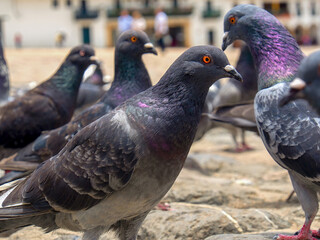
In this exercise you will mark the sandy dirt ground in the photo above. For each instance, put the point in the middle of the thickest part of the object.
(28, 65)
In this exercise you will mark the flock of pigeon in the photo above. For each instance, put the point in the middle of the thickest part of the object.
(113, 162)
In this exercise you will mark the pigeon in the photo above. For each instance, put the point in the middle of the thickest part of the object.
(131, 77)
(92, 87)
(306, 84)
(290, 133)
(234, 93)
(239, 115)
(115, 170)
(205, 123)
(47, 106)
(4, 78)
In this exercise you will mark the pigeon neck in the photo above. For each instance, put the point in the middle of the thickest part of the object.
(131, 76)
(68, 77)
(276, 53)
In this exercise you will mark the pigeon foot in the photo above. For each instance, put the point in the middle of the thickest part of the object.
(301, 235)
(164, 206)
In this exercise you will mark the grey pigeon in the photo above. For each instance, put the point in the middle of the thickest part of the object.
(4, 77)
(47, 106)
(115, 170)
(131, 77)
(290, 133)
(307, 83)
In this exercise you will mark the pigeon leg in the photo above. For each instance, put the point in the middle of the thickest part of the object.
(128, 229)
(245, 146)
(309, 202)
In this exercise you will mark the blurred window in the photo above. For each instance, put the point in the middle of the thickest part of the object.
(55, 3)
(69, 3)
(313, 8)
(298, 6)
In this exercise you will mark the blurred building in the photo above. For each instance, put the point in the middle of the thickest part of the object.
(49, 23)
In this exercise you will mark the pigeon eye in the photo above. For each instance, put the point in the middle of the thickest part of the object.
(133, 39)
(232, 20)
(82, 53)
(206, 59)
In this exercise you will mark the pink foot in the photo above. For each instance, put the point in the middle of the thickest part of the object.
(315, 233)
(301, 235)
(246, 147)
(164, 206)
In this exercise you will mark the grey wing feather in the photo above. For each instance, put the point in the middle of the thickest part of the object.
(96, 162)
(291, 133)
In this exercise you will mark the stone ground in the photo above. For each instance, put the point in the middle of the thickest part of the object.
(219, 195)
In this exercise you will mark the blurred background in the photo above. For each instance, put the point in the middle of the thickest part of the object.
(66, 23)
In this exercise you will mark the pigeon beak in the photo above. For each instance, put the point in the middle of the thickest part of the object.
(94, 59)
(149, 48)
(226, 41)
(233, 73)
(295, 92)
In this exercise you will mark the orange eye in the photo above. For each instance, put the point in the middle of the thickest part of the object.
(133, 39)
(206, 59)
(232, 20)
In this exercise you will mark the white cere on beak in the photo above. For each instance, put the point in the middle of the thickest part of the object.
(148, 45)
(229, 68)
(298, 84)
(225, 35)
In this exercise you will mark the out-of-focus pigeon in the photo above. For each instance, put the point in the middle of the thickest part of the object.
(233, 93)
(92, 87)
(131, 77)
(307, 83)
(290, 133)
(47, 106)
(239, 115)
(115, 170)
(229, 94)
(205, 123)
(4, 77)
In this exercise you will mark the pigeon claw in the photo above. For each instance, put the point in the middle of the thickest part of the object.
(301, 236)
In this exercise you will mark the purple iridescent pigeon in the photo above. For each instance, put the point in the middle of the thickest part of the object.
(131, 77)
(116, 169)
(290, 133)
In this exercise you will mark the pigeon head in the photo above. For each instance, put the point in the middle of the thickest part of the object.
(276, 53)
(199, 67)
(82, 56)
(206, 63)
(134, 43)
(307, 83)
(237, 22)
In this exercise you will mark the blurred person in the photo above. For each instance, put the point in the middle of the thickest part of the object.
(161, 27)
(18, 40)
(60, 38)
(138, 22)
(124, 21)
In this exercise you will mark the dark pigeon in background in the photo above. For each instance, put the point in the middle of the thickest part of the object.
(307, 83)
(115, 170)
(205, 123)
(47, 106)
(92, 87)
(240, 115)
(290, 133)
(131, 77)
(4, 78)
(229, 94)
